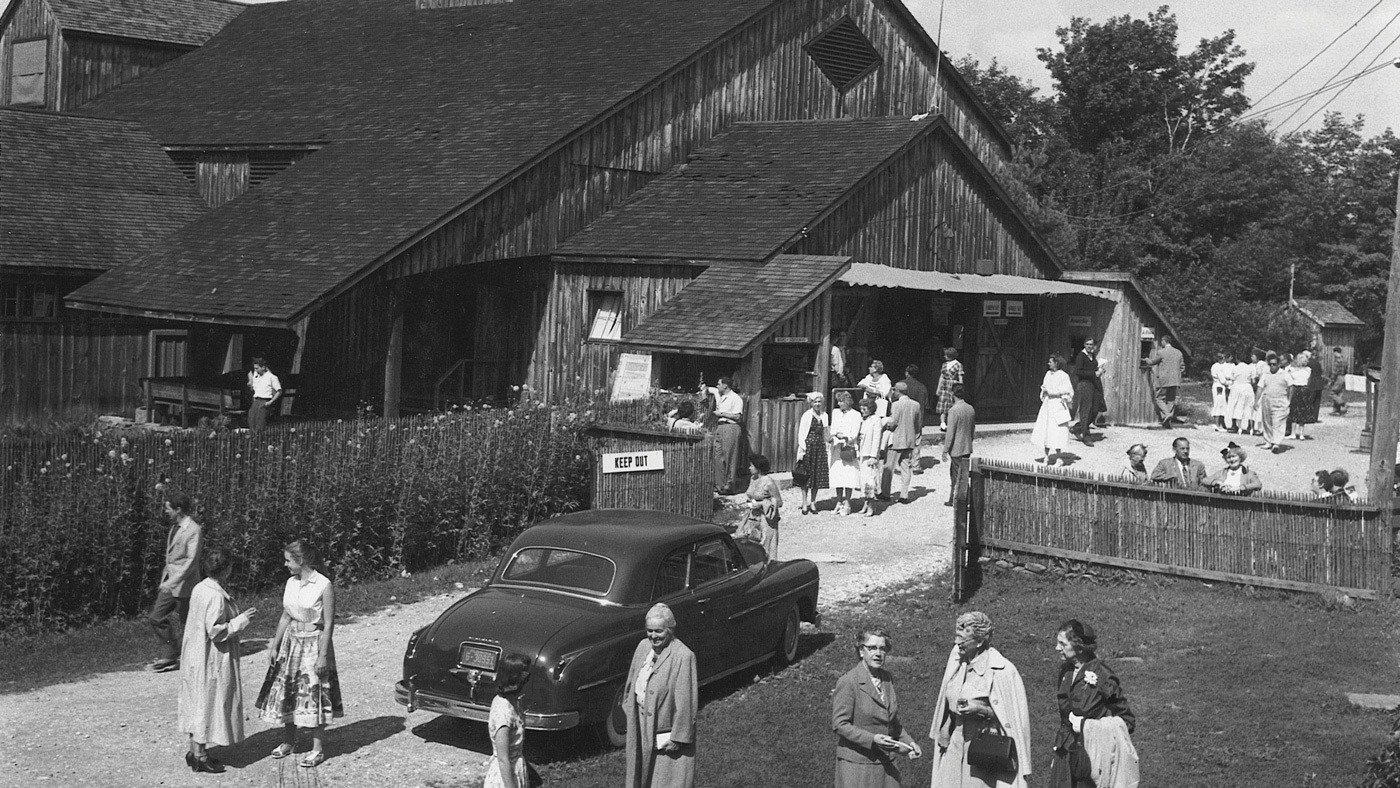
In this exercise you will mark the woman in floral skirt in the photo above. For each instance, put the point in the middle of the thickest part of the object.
(302, 689)
(950, 375)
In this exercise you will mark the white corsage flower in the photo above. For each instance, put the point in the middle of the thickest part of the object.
(1091, 678)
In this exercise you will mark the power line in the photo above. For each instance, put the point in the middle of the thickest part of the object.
(1343, 89)
(1320, 52)
(1345, 65)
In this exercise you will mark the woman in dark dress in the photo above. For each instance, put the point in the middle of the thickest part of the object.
(1092, 746)
(813, 435)
(1306, 396)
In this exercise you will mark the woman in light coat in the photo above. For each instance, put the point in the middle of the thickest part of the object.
(211, 695)
(981, 690)
(1051, 431)
(660, 699)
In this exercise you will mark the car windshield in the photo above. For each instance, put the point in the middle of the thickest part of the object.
(560, 568)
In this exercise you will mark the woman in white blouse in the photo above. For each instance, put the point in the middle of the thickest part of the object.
(1051, 432)
(302, 689)
(877, 385)
(845, 455)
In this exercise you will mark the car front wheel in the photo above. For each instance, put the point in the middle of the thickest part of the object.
(612, 731)
(788, 640)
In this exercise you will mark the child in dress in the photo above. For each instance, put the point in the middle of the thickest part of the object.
(506, 724)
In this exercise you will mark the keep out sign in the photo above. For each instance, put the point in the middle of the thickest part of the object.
(633, 461)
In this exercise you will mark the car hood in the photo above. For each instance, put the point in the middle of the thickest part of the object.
(520, 621)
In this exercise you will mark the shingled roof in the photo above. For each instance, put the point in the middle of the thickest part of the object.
(189, 22)
(1327, 313)
(749, 192)
(421, 112)
(728, 309)
(84, 193)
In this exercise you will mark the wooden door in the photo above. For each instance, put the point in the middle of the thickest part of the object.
(1004, 368)
(169, 350)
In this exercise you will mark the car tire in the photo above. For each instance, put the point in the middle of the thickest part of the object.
(612, 731)
(789, 637)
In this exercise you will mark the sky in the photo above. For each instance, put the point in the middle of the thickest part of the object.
(1277, 35)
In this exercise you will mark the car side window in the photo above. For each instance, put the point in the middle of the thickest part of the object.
(714, 559)
(671, 575)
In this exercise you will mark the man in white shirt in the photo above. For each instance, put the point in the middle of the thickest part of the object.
(267, 389)
(729, 436)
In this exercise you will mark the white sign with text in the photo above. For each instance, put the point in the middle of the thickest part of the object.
(633, 461)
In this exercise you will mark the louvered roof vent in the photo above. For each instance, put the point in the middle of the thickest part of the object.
(844, 54)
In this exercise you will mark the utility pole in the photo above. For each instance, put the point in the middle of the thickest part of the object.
(1381, 479)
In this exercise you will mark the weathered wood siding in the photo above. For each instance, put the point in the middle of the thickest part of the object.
(1343, 337)
(79, 364)
(805, 325)
(564, 363)
(926, 211)
(343, 360)
(760, 72)
(32, 19)
(92, 66)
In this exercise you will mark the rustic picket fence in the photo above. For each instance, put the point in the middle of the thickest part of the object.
(1276, 540)
(82, 536)
(683, 483)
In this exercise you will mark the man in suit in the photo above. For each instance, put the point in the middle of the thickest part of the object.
(957, 443)
(1088, 389)
(906, 422)
(1166, 364)
(1179, 470)
(182, 554)
(917, 390)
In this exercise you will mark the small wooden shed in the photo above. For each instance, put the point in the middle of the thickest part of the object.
(1333, 326)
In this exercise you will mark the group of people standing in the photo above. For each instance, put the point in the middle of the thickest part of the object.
(201, 629)
(862, 447)
(1273, 395)
(981, 725)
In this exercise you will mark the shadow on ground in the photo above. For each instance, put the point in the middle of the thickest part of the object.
(340, 740)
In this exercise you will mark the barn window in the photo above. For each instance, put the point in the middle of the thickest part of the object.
(29, 299)
(605, 307)
(844, 54)
(28, 63)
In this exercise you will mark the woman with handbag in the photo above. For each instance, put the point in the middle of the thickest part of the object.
(845, 461)
(1093, 748)
(812, 430)
(302, 689)
(764, 500)
(865, 717)
(981, 722)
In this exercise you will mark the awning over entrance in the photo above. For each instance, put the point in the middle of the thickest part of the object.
(729, 309)
(873, 275)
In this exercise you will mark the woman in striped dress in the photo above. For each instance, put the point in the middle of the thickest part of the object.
(949, 376)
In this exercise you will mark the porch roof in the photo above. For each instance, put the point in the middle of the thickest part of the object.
(874, 275)
(729, 309)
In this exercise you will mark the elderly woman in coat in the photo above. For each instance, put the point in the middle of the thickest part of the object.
(211, 696)
(865, 717)
(660, 699)
(981, 691)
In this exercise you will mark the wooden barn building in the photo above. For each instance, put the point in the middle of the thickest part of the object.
(1333, 326)
(716, 188)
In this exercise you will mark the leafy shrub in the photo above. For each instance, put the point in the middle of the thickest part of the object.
(82, 536)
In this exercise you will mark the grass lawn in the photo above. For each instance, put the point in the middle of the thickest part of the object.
(1235, 688)
(34, 661)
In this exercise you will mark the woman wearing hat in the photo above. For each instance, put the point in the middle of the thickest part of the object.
(1092, 748)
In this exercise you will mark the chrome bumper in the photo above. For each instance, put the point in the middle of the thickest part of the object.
(453, 707)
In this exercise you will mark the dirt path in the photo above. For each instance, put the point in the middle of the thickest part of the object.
(117, 730)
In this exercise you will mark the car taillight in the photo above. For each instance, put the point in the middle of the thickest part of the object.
(557, 672)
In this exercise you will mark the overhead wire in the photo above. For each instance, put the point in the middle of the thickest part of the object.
(1343, 89)
(1347, 64)
(1320, 52)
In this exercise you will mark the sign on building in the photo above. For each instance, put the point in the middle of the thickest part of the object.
(633, 380)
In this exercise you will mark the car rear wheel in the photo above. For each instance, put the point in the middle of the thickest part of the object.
(788, 640)
(612, 731)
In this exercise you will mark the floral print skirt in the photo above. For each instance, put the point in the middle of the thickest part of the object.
(293, 692)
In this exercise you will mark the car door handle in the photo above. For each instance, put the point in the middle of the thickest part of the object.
(703, 600)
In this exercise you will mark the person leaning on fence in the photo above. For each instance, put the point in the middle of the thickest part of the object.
(1333, 486)
(682, 419)
(1234, 478)
(1093, 747)
(865, 718)
(981, 693)
(177, 582)
(1179, 470)
(267, 389)
(1135, 471)
(302, 688)
(211, 692)
(765, 499)
(811, 474)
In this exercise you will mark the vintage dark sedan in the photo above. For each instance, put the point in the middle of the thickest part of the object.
(571, 594)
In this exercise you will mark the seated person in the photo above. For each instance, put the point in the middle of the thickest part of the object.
(682, 419)
(1234, 478)
(1332, 486)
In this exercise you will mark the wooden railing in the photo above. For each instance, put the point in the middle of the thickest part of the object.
(1275, 540)
(683, 484)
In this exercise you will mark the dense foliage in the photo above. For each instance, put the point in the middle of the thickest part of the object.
(1148, 160)
(82, 536)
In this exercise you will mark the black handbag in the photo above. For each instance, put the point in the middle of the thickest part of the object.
(800, 474)
(995, 752)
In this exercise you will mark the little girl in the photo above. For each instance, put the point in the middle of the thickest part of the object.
(506, 725)
(870, 446)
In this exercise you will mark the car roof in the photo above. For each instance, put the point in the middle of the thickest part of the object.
(634, 539)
